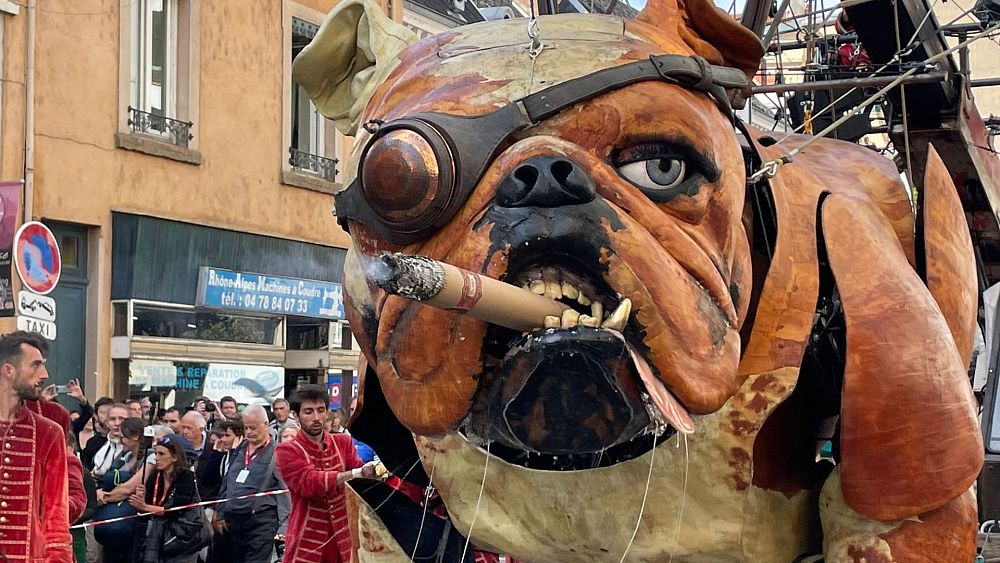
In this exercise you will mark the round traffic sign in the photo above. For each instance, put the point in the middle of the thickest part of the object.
(36, 257)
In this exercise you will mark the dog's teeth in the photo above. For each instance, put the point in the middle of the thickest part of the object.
(552, 322)
(597, 310)
(569, 291)
(618, 318)
(582, 299)
(587, 320)
(537, 287)
(570, 318)
(553, 290)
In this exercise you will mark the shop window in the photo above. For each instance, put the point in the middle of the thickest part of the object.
(190, 324)
(307, 334)
(120, 320)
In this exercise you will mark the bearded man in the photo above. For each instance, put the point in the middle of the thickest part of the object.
(315, 465)
(34, 516)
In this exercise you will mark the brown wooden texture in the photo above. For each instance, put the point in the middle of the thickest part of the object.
(909, 436)
(947, 533)
(665, 257)
(951, 266)
(910, 441)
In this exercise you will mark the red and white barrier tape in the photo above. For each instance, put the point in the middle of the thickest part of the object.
(176, 508)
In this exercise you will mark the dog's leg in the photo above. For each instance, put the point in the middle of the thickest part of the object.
(947, 533)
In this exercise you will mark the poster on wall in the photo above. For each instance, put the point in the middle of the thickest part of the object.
(335, 385)
(10, 198)
(248, 384)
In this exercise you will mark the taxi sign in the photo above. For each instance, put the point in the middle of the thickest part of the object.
(45, 328)
(36, 257)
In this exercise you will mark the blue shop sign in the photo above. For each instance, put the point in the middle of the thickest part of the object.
(242, 291)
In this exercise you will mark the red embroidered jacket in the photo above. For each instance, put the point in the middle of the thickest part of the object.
(77, 494)
(317, 526)
(34, 510)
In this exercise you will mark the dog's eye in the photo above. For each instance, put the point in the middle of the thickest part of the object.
(662, 171)
(656, 174)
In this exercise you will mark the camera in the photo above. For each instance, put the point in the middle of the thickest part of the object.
(62, 389)
(148, 433)
(209, 407)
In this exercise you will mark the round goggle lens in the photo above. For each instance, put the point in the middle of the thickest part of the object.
(401, 176)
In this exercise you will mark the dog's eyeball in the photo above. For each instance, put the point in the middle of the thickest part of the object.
(656, 174)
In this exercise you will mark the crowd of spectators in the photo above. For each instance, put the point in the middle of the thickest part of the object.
(132, 454)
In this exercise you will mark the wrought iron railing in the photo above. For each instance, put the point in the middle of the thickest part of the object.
(325, 168)
(179, 132)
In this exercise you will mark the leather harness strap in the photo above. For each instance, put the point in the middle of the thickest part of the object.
(688, 71)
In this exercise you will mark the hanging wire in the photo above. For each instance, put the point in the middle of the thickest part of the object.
(770, 168)
(475, 514)
(645, 496)
(394, 491)
(781, 95)
(684, 489)
(906, 118)
(427, 499)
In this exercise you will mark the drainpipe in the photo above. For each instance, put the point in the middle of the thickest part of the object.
(29, 114)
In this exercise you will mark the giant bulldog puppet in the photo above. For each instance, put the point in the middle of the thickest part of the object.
(597, 157)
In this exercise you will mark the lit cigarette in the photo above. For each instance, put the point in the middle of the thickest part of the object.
(460, 291)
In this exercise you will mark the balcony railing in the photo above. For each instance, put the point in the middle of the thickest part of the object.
(325, 168)
(177, 131)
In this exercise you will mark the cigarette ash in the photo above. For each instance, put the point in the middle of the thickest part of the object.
(414, 277)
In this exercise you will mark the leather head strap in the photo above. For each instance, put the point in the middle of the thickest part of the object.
(692, 72)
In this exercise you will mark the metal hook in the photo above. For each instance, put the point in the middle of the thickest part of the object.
(536, 43)
(767, 170)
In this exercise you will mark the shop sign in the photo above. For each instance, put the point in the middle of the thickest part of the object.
(36, 306)
(241, 291)
(248, 384)
(152, 373)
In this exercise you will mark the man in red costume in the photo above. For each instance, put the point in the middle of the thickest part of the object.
(34, 512)
(58, 414)
(315, 465)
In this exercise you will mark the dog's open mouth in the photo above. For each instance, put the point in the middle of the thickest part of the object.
(576, 393)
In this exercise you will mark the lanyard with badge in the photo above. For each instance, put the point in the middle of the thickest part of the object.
(248, 459)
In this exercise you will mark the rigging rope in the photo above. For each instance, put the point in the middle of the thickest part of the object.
(895, 58)
(770, 168)
(906, 118)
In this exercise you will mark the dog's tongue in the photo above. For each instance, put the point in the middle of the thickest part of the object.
(669, 406)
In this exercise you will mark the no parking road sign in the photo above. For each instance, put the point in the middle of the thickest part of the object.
(36, 257)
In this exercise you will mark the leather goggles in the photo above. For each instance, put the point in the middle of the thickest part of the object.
(416, 172)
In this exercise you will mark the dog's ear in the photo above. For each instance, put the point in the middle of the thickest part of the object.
(950, 266)
(705, 29)
(909, 437)
(352, 54)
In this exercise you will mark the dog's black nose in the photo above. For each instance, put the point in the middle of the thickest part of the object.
(546, 181)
